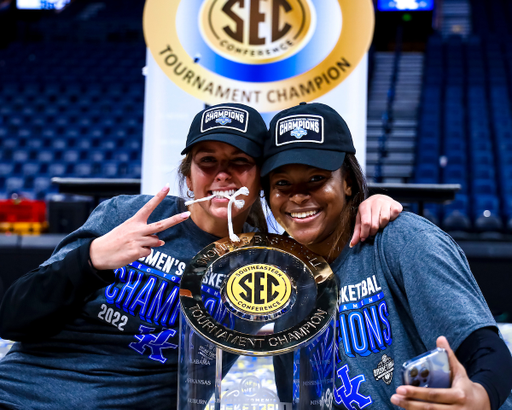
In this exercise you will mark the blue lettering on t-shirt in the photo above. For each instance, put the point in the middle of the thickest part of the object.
(127, 291)
(111, 291)
(344, 337)
(383, 314)
(358, 333)
(151, 300)
(143, 297)
(374, 331)
(155, 342)
(348, 392)
(364, 332)
(159, 312)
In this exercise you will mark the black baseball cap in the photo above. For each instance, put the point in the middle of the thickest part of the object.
(235, 124)
(310, 134)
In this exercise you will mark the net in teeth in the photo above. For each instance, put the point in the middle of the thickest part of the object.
(239, 203)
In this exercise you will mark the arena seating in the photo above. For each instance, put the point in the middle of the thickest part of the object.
(69, 110)
(71, 98)
(465, 131)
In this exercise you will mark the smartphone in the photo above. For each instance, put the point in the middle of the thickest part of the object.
(430, 369)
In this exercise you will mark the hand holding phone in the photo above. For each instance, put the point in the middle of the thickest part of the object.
(430, 369)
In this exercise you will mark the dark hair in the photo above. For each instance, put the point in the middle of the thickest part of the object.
(352, 172)
(256, 217)
(356, 179)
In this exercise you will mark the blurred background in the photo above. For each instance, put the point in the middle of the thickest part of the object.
(439, 113)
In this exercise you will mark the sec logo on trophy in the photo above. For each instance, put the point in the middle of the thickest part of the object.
(259, 290)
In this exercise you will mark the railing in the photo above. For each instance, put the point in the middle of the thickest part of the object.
(99, 188)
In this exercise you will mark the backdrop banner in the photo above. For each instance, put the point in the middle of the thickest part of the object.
(270, 55)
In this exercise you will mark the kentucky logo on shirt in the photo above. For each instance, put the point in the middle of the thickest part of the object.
(225, 117)
(300, 128)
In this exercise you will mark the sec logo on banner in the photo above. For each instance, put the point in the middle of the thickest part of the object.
(270, 54)
(257, 32)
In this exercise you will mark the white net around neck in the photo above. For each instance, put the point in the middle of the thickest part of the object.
(239, 203)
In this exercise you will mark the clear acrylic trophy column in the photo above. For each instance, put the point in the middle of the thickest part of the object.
(257, 327)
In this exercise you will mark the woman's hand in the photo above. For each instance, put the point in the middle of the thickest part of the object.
(373, 214)
(134, 238)
(464, 394)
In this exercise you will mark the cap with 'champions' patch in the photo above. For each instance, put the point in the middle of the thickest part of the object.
(309, 134)
(235, 124)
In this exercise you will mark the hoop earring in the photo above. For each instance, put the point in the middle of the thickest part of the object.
(190, 193)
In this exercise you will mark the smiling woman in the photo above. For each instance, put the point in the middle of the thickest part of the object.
(101, 316)
(397, 290)
(213, 168)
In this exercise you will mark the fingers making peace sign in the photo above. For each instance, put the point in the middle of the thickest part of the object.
(134, 238)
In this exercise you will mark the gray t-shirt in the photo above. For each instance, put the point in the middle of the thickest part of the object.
(398, 292)
(119, 347)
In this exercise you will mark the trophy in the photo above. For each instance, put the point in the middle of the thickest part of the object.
(257, 327)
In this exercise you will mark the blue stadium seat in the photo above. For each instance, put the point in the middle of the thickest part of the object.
(454, 172)
(428, 144)
(108, 144)
(422, 157)
(49, 132)
(110, 169)
(71, 155)
(10, 143)
(83, 169)
(72, 132)
(34, 143)
(484, 187)
(482, 203)
(59, 143)
(43, 185)
(454, 146)
(97, 155)
(456, 216)
(483, 172)
(456, 158)
(425, 173)
(45, 156)
(57, 169)
(4, 131)
(482, 158)
(96, 131)
(83, 143)
(460, 203)
(14, 184)
(6, 168)
(134, 170)
(121, 155)
(20, 155)
(507, 205)
(432, 213)
(25, 132)
(30, 168)
(481, 145)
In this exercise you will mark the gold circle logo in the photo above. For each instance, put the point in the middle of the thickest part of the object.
(258, 289)
(256, 32)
